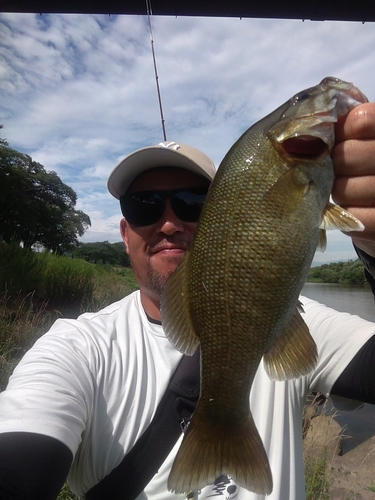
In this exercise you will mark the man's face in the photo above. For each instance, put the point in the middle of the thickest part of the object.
(156, 250)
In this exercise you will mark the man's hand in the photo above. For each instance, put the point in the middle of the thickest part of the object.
(354, 161)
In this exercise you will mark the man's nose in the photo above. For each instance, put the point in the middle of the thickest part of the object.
(169, 223)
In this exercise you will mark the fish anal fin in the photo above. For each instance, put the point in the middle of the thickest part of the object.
(175, 312)
(335, 217)
(205, 454)
(294, 354)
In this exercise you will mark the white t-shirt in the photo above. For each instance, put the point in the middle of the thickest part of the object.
(95, 384)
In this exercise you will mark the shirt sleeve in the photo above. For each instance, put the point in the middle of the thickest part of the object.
(369, 263)
(357, 380)
(51, 390)
(32, 466)
(339, 337)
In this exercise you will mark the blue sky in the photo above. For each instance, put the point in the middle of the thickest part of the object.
(78, 92)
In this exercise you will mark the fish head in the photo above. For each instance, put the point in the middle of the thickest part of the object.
(305, 124)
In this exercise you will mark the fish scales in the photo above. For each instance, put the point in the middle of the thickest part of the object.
(240, 280)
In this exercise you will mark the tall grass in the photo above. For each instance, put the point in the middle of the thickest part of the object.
(68, 284)
(35, 289)
(20, 326)
(21, 271)
(66, 494)
(320, 448)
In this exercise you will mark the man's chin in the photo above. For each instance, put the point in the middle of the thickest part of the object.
(168, 259)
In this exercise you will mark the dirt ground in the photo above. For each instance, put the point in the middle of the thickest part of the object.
(351, 451)
(354, 470)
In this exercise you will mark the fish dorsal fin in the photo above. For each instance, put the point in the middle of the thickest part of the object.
(335, 217)
(175, 311)
(294, 354)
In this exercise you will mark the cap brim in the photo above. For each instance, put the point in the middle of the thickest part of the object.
(147, 158)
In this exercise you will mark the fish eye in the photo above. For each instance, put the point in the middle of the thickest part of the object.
(302, 96)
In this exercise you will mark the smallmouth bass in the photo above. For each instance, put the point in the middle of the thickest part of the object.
(236, 291)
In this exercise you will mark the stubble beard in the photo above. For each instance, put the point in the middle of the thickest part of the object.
(157, 281)
(154, 280)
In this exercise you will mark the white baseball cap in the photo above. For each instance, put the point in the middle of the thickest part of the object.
(164, 154)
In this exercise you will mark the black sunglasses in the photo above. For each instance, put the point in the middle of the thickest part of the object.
(143, 208)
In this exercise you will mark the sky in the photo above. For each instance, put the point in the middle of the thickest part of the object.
(78, 92)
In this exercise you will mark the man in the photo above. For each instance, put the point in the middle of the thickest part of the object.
(85, 393)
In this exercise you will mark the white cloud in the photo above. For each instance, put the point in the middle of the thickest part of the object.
(79, 91)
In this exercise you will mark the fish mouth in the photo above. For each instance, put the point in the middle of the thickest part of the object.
(305, 146)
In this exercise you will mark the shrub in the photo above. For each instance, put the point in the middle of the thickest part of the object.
(68, 284)
(21, 271)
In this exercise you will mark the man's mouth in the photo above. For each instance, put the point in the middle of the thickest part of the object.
(169, 247)
(170, 250)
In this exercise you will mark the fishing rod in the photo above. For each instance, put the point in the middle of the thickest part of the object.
(149, 14)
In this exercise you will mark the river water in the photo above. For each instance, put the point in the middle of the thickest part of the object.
(355, 299)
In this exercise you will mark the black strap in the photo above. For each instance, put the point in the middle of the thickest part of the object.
(139, 466)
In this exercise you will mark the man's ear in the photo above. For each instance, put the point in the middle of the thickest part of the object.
(124, 234)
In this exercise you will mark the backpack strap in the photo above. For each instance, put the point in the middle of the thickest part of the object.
(142, 462)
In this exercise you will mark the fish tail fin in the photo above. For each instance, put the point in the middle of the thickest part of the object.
(205, 454)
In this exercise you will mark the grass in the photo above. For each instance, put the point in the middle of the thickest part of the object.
(317, 477)
(319, 452)
(66, 494)
(36, 289)
(20, 326)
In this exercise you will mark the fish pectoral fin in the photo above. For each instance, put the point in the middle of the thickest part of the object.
(335, 217)
(175, 312)
(294, 354)
(287, 192)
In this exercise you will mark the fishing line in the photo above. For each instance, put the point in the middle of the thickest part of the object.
(149, 14)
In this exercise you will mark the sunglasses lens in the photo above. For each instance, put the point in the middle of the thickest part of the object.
(188, 204)
(146, 207)
(142, 209)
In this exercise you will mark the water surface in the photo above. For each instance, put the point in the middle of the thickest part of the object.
(355, 299)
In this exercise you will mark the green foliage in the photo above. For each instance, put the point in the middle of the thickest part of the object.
(66, 494)
(339, 272)
(63, 287)
(3, 142)
(20, 325)
(21, 271)
(103, 252)
(35, 205)
(319, 449)
(68, 283)
(111, 284)
(317, 477)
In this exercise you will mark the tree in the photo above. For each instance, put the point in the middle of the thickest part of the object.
(35, 205)
(339, 272)
(3, 141)
(103, 252)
